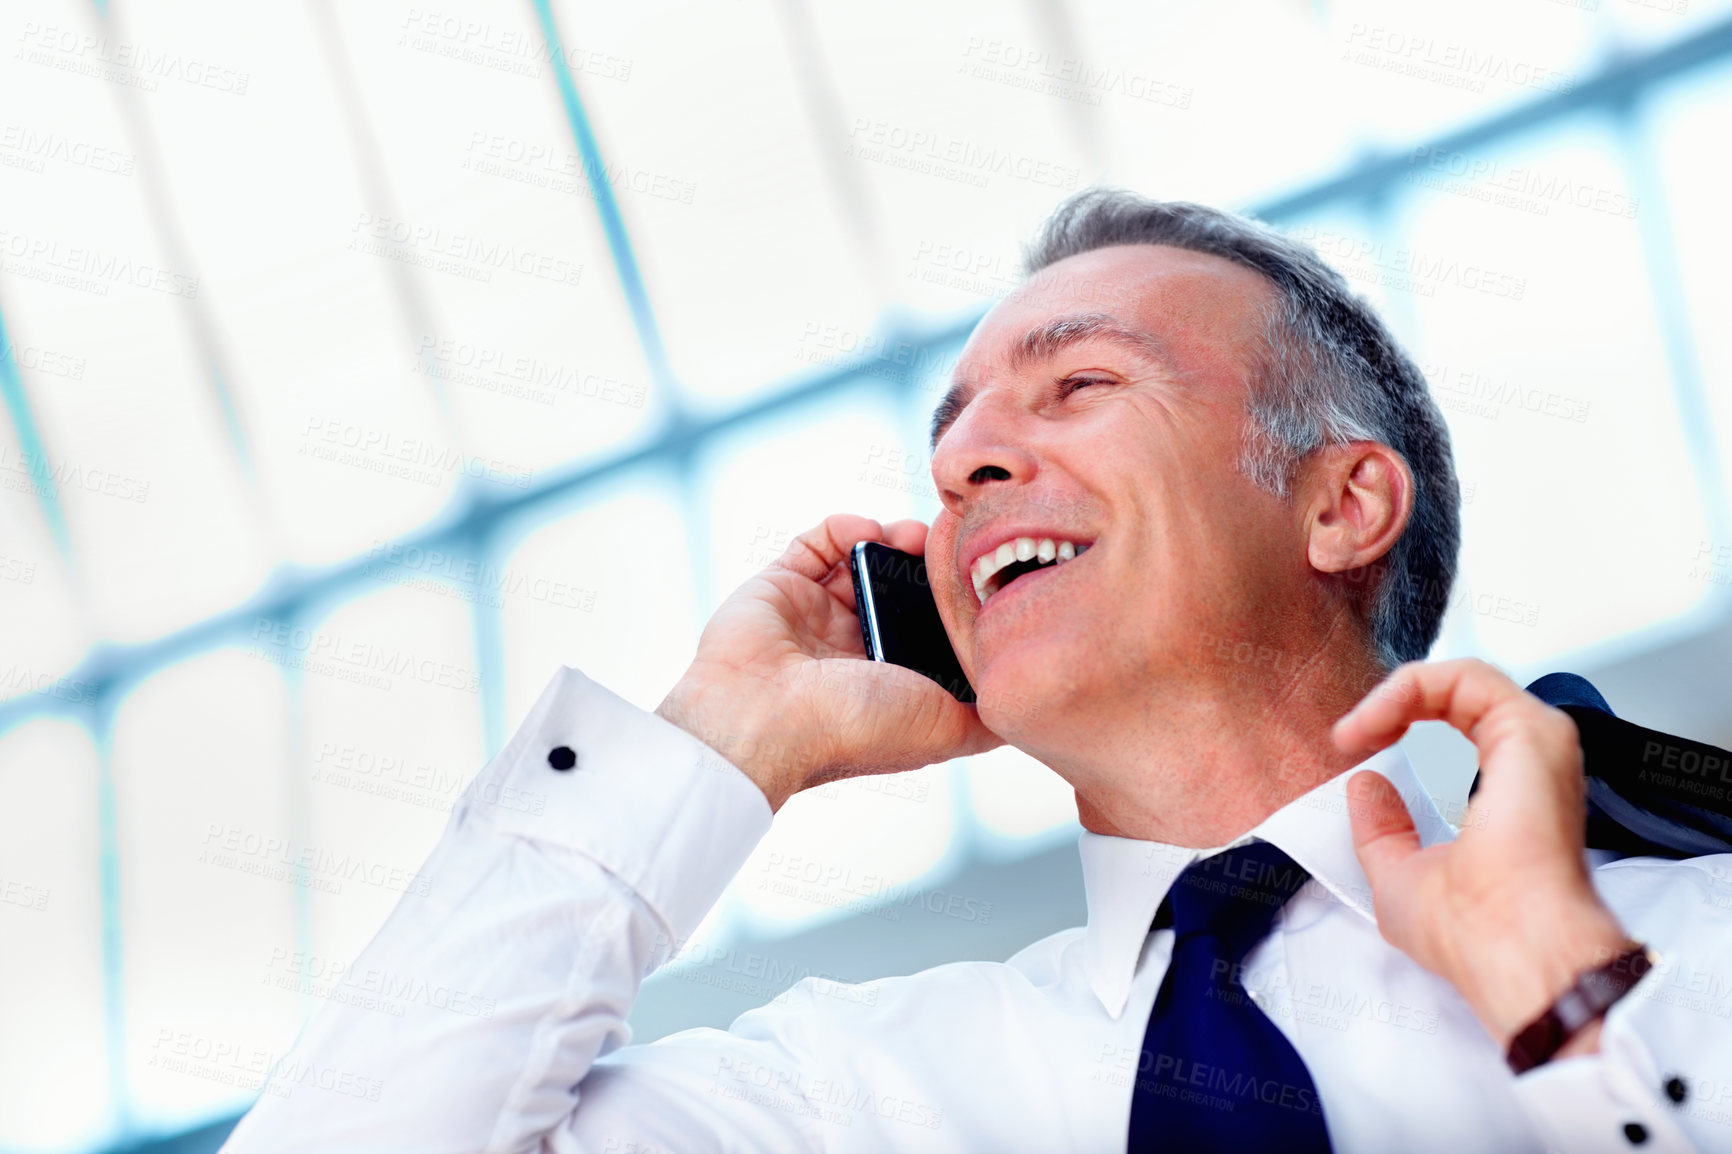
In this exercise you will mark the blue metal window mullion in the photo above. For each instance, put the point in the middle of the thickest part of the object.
(101, 727)
(487, 618)
(294, 682)
(694, 511)
(130, 663)
(30, 444)
(612, 223)
(159, 206)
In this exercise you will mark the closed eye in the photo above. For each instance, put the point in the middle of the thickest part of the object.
(1071, 384)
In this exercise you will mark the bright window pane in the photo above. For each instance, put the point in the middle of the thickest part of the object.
(208, 837)
(54, 1069)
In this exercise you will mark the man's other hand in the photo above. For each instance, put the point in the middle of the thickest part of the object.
(782, 687)
(1506, 911)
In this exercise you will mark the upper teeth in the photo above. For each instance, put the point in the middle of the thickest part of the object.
(1046, 549)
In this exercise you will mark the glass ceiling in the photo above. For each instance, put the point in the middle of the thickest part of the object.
(364, 363)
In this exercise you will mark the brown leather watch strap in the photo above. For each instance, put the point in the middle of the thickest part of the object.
(1592, 995)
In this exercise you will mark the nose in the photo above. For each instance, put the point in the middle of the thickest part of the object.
(982, 448)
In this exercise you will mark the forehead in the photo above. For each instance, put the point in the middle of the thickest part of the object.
(1192, 302)
(1194, 315)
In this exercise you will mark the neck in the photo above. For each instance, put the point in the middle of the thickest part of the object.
(1225, 752)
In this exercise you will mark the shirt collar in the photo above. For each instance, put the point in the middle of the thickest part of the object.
(1125, 879)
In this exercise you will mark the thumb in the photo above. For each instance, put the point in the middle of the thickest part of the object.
(1383, 832)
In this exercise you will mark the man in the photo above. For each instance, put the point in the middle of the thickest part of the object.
(1219, 450)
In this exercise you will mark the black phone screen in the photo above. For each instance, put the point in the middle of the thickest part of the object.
(899, 620)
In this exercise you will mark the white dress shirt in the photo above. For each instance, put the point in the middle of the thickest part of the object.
(488, 1014)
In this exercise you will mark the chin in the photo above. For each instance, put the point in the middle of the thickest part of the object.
(1031, 684)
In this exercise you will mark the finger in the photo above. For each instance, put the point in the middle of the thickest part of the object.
(957, 730)
(908, 536)
(976, 737)
(1460, 692)
(913, 721)
(1383, 832)
(821, 553)
(1388, 850)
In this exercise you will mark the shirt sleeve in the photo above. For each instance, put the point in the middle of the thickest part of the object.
(1662, 1079)
(575, 863)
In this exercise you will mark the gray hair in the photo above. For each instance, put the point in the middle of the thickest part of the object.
(1330, 374)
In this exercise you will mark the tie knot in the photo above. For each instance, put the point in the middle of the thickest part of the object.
(1234, 895)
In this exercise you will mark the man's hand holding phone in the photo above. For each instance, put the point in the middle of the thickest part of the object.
(782, 686)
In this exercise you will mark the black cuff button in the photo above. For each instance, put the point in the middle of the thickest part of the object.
(1636, 1133)
(561, 757)
(1676, 1090)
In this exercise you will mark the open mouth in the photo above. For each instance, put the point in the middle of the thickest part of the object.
(993, 571)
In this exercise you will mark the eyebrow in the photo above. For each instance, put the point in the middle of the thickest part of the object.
(1044, 343)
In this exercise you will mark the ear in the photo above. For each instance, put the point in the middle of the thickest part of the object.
(1357, 499)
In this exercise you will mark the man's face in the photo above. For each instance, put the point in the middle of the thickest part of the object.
(1103, 405)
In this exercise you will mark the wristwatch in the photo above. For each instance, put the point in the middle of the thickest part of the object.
(1592, 995)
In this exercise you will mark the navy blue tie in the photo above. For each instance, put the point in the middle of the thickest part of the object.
(1215, 1073)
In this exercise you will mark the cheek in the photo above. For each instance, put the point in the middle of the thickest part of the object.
(943, 588)
(941, 538)
(1186, 529)
(940, 571)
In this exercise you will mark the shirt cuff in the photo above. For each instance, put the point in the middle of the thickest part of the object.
(660, 810)
(1612, 1100)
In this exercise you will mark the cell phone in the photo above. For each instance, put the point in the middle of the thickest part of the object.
(899, 620)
